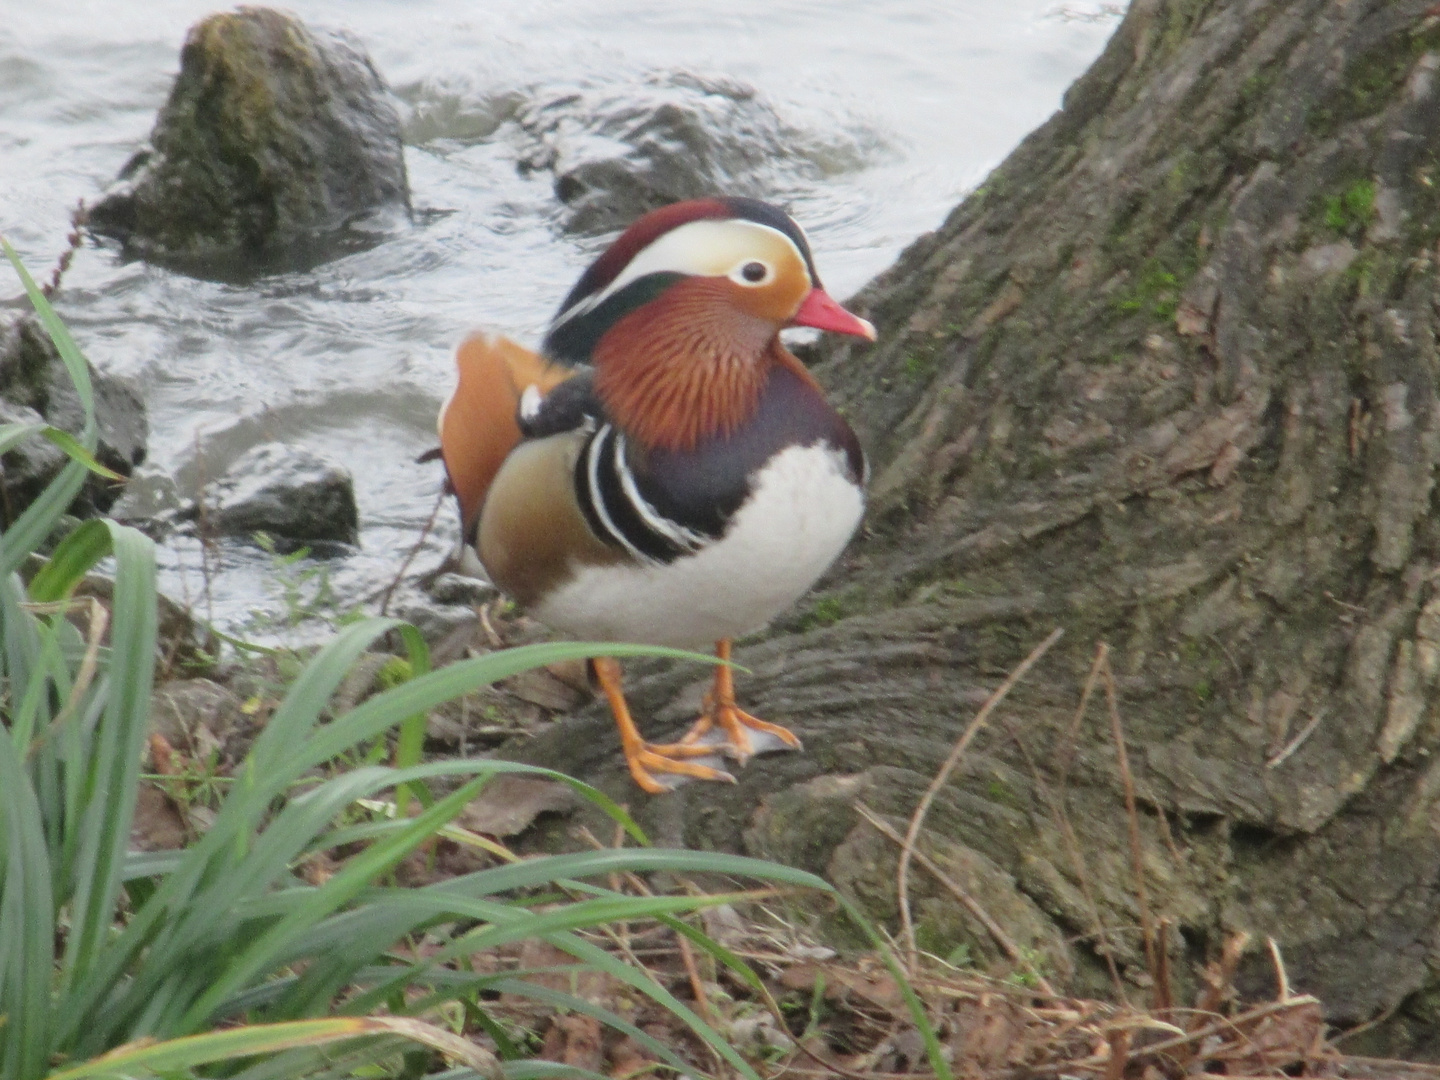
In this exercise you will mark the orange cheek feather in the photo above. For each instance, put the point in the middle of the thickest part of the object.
(684, 367)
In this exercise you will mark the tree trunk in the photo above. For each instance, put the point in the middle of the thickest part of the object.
(1168, 381)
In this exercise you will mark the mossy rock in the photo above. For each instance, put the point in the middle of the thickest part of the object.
(274, 139)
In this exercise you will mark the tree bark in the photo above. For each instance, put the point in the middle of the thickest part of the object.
(1166, 380)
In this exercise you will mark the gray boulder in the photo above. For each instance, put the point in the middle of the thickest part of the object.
(35, 387)
(290, 493)
(617, 151)
(274, 137)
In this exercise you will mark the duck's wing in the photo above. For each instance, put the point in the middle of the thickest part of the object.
(480, 423)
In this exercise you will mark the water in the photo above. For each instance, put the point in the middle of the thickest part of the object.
(880, 116)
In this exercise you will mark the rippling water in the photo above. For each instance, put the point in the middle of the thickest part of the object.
(870, 120)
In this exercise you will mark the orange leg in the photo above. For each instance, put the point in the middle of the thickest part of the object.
(720, 710)
(643, 757)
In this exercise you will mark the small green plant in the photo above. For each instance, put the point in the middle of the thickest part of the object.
(1349, 211)
(961, 956)
(1033, 973)
(921, 364)
(303, 589)
(1156, 292)
(827, 611)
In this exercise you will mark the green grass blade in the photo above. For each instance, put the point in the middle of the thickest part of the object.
(12, 435)
(545, 1070)
(74, 557)
(581, 915)
(75, 451)
(598, 959)
(150, 864)
(357, 874)
(175, 1055)
(105, 824)
(39, 519)
(64, 344)
(237, 893)
(272, 762)
(933, 1050)
(27, 911)
(588, 864)
(571, 1003)
(410, 740)
(591, 955)
(31, 712)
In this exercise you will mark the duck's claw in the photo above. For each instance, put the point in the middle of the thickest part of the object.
(731, 730)
(674, 764)
(737, 734)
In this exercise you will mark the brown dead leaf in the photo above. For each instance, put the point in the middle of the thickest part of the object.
(987, 1035)
(1190, 321)
(510, 804)
(574, 674)
(878, 989)
(539, 687)
(318, 868)
(164, 758)
(157, 825)
(575, 1041)
(593, 986)
(1280, 1040)
(629, 1059)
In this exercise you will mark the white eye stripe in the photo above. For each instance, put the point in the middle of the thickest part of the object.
(706, 248)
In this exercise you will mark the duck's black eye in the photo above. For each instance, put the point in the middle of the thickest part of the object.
(754, 271)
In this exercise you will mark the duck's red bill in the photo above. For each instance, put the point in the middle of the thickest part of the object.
(823, 313)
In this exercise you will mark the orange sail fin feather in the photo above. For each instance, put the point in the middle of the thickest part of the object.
(478, 427)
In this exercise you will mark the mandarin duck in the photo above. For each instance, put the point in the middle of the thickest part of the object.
(664, 471)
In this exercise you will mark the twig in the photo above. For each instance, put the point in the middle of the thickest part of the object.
(202, 531)
(1224, 1024)
(1132, 814)
(99, 622)
(410, 555)
(1282, 980)
(1218, 977)
(1298, 741)
(1375, 1021)
(496, 641)
(1119, 1041)
(918, 818)
(1164, 991)
(967, 901)
(1060, 815)
(77, 221)
(697, 985)
(1062, 769)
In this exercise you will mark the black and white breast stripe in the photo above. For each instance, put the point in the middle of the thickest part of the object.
(617, 510)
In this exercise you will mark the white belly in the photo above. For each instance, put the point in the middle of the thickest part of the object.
(799, 517)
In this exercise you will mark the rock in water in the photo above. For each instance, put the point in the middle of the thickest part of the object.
(288, 492)
(617, 151)
(35, 387)
(274, 138)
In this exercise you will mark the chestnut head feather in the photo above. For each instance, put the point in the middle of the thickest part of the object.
(681, 316)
